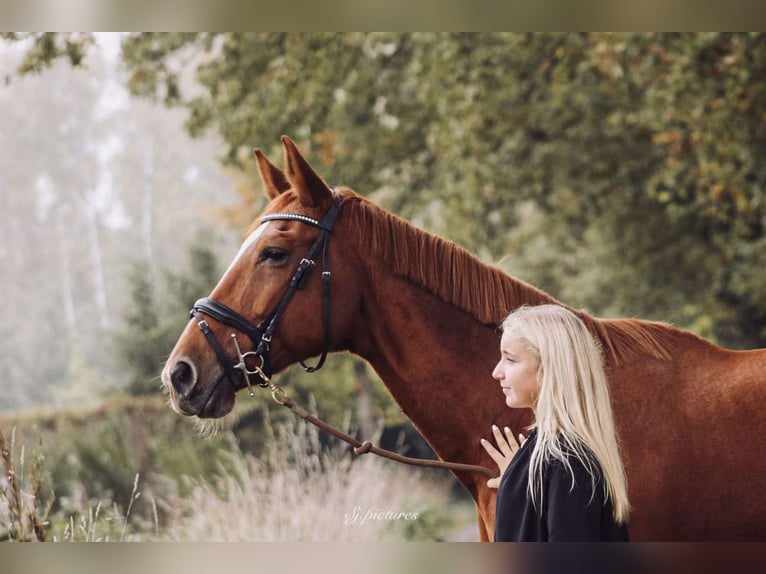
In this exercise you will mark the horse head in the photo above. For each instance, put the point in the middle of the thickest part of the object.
(271, 308)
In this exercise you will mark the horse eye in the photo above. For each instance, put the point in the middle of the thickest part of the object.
(272, 254)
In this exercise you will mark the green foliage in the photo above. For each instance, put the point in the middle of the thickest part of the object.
(645, 149)
(153, 321)
(47, 47)
(199, 277)
(140, 345)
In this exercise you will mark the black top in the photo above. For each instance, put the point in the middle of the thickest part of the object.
(567, 513)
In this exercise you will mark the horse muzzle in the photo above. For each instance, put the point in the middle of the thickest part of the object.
(189, 397)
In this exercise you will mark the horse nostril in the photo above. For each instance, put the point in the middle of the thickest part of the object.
(182, 378)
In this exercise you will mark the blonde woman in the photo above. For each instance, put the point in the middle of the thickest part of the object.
(566, 482)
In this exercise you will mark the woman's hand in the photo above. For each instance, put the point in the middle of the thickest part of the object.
(503, 455)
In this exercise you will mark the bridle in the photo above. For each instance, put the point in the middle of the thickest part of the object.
(262, 333)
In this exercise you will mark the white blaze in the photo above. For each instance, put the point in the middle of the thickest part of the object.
(252, 238)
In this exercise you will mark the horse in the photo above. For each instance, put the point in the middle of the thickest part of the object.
(424, 312)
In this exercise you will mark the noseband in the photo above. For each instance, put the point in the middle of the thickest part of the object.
(261, 334)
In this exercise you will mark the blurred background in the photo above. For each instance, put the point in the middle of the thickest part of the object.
(623, 173)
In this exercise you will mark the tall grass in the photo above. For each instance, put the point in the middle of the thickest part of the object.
(300, 491)
(23, 513)
(298, 487)
(25, 516)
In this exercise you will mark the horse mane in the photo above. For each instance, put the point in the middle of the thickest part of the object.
(482, 290)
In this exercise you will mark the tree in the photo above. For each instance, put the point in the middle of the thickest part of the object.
(621, 172)
(646, 147)
(85, 172)
(154, 318)
(48, 47)
(144, 342)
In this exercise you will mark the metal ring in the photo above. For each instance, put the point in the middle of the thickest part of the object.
(258, 369)
(278, 395)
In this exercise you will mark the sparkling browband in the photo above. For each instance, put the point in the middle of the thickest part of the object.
(293, 216)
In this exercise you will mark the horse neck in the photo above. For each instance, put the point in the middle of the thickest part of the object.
(435, 358)
(414, 344)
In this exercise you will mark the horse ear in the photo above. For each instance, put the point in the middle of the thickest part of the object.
(274, 180)
(311, 189)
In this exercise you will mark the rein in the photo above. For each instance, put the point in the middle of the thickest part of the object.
(261, 335)
(366, 446)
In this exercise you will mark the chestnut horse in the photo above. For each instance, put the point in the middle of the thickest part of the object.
(424, 313)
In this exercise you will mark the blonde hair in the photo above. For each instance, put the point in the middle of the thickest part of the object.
(572, 409)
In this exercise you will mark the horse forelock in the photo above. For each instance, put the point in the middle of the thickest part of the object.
(484, 291)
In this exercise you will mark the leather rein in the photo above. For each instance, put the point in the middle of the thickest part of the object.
(261, 335)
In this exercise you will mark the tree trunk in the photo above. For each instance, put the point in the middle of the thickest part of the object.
(99, 283)
(66, 279)
(148, 199)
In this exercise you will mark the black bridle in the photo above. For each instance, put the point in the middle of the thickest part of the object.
(261, 334)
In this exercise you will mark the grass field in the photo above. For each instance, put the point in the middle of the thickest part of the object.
(132, 470)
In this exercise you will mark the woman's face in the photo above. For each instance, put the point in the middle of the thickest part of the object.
(517, 372)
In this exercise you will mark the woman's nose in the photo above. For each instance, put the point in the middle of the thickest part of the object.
(497, 373)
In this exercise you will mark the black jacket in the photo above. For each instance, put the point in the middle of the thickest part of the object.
(566, 514)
